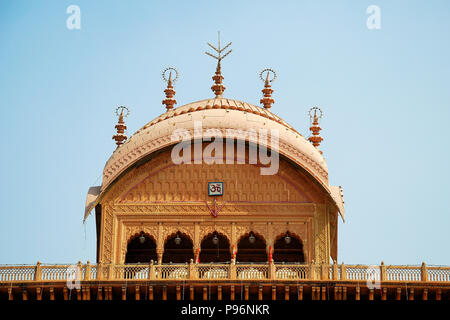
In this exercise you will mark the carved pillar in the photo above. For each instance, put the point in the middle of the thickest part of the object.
(52, 293)
(300, 293)
(233, 235)
(178, 293)
(321, 234)
(191, 293)
(196, 237)
(384, 294)
(425, 294)
(159, 253)
(160, 242)
(138, 293)
(269, 237)
(219, 292)
(150, 293)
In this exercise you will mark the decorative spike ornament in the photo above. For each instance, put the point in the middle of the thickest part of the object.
(218, 88)
(169, 91)
(315, 138)
(267, 101)
(120, 136)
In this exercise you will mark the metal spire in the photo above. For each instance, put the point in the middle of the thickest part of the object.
(120, 136)
(169, 91)
(218, 88)
(267, 101)
(315, 138)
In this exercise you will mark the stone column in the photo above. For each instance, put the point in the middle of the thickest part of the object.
(159, 253)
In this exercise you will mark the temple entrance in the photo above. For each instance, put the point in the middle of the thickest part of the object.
(251, 248)
(288, 248)
(141, 249)
(215, 248)
(178, 249)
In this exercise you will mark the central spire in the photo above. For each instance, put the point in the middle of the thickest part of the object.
(218, 88)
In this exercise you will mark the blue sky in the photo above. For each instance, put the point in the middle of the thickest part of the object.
(385, 96)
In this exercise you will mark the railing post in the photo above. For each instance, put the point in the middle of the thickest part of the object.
(383, 276)
(37, 272)
(335, 271)
(272, 273)
(79, 275)
(424, 272)
(343, 272)
(312, 271)
(110, 272)
(324, 271)
(87, 271)
(232, 269)
(151, 271)
(99, 271)
(192, 272)
(316, 271)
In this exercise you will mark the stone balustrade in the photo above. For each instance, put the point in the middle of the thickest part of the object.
(223, 272)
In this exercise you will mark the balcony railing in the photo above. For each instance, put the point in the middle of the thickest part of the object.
(222, 272)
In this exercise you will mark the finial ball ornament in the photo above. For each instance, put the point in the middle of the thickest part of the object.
(169, 69)
(120, 109)
(274, 74)
(313, 110)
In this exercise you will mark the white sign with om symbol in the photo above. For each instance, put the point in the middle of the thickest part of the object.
(215, 188)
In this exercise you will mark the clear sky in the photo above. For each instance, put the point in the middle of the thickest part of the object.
(385, 96)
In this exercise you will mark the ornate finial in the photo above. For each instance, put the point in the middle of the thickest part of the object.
(120, 137)
(218, 88)
(170, 93)
(315, 139)
(267, 101)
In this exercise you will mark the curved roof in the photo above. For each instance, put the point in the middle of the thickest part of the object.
(219, 114)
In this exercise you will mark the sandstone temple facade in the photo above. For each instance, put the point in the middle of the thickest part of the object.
(188, 209)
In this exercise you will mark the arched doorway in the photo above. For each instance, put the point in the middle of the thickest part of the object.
(251, 248)
(178, 249)
(215, 247)
(141, 249)
(288, 248)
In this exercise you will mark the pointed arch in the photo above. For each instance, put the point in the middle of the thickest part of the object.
(251, 252)
(215, 252)
(181, 251)
(288, 251)
(141, 250)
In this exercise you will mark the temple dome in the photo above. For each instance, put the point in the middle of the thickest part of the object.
(217, 113)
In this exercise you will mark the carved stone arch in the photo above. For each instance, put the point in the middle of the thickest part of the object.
(133, 231)
(134, 250)
(218, 252)
(293, 228)
(138, 234)
(176, 231)
(206, 230)
(248, 251)
(240, 237)
(293, 252)
(178, 252)
(169, 230)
